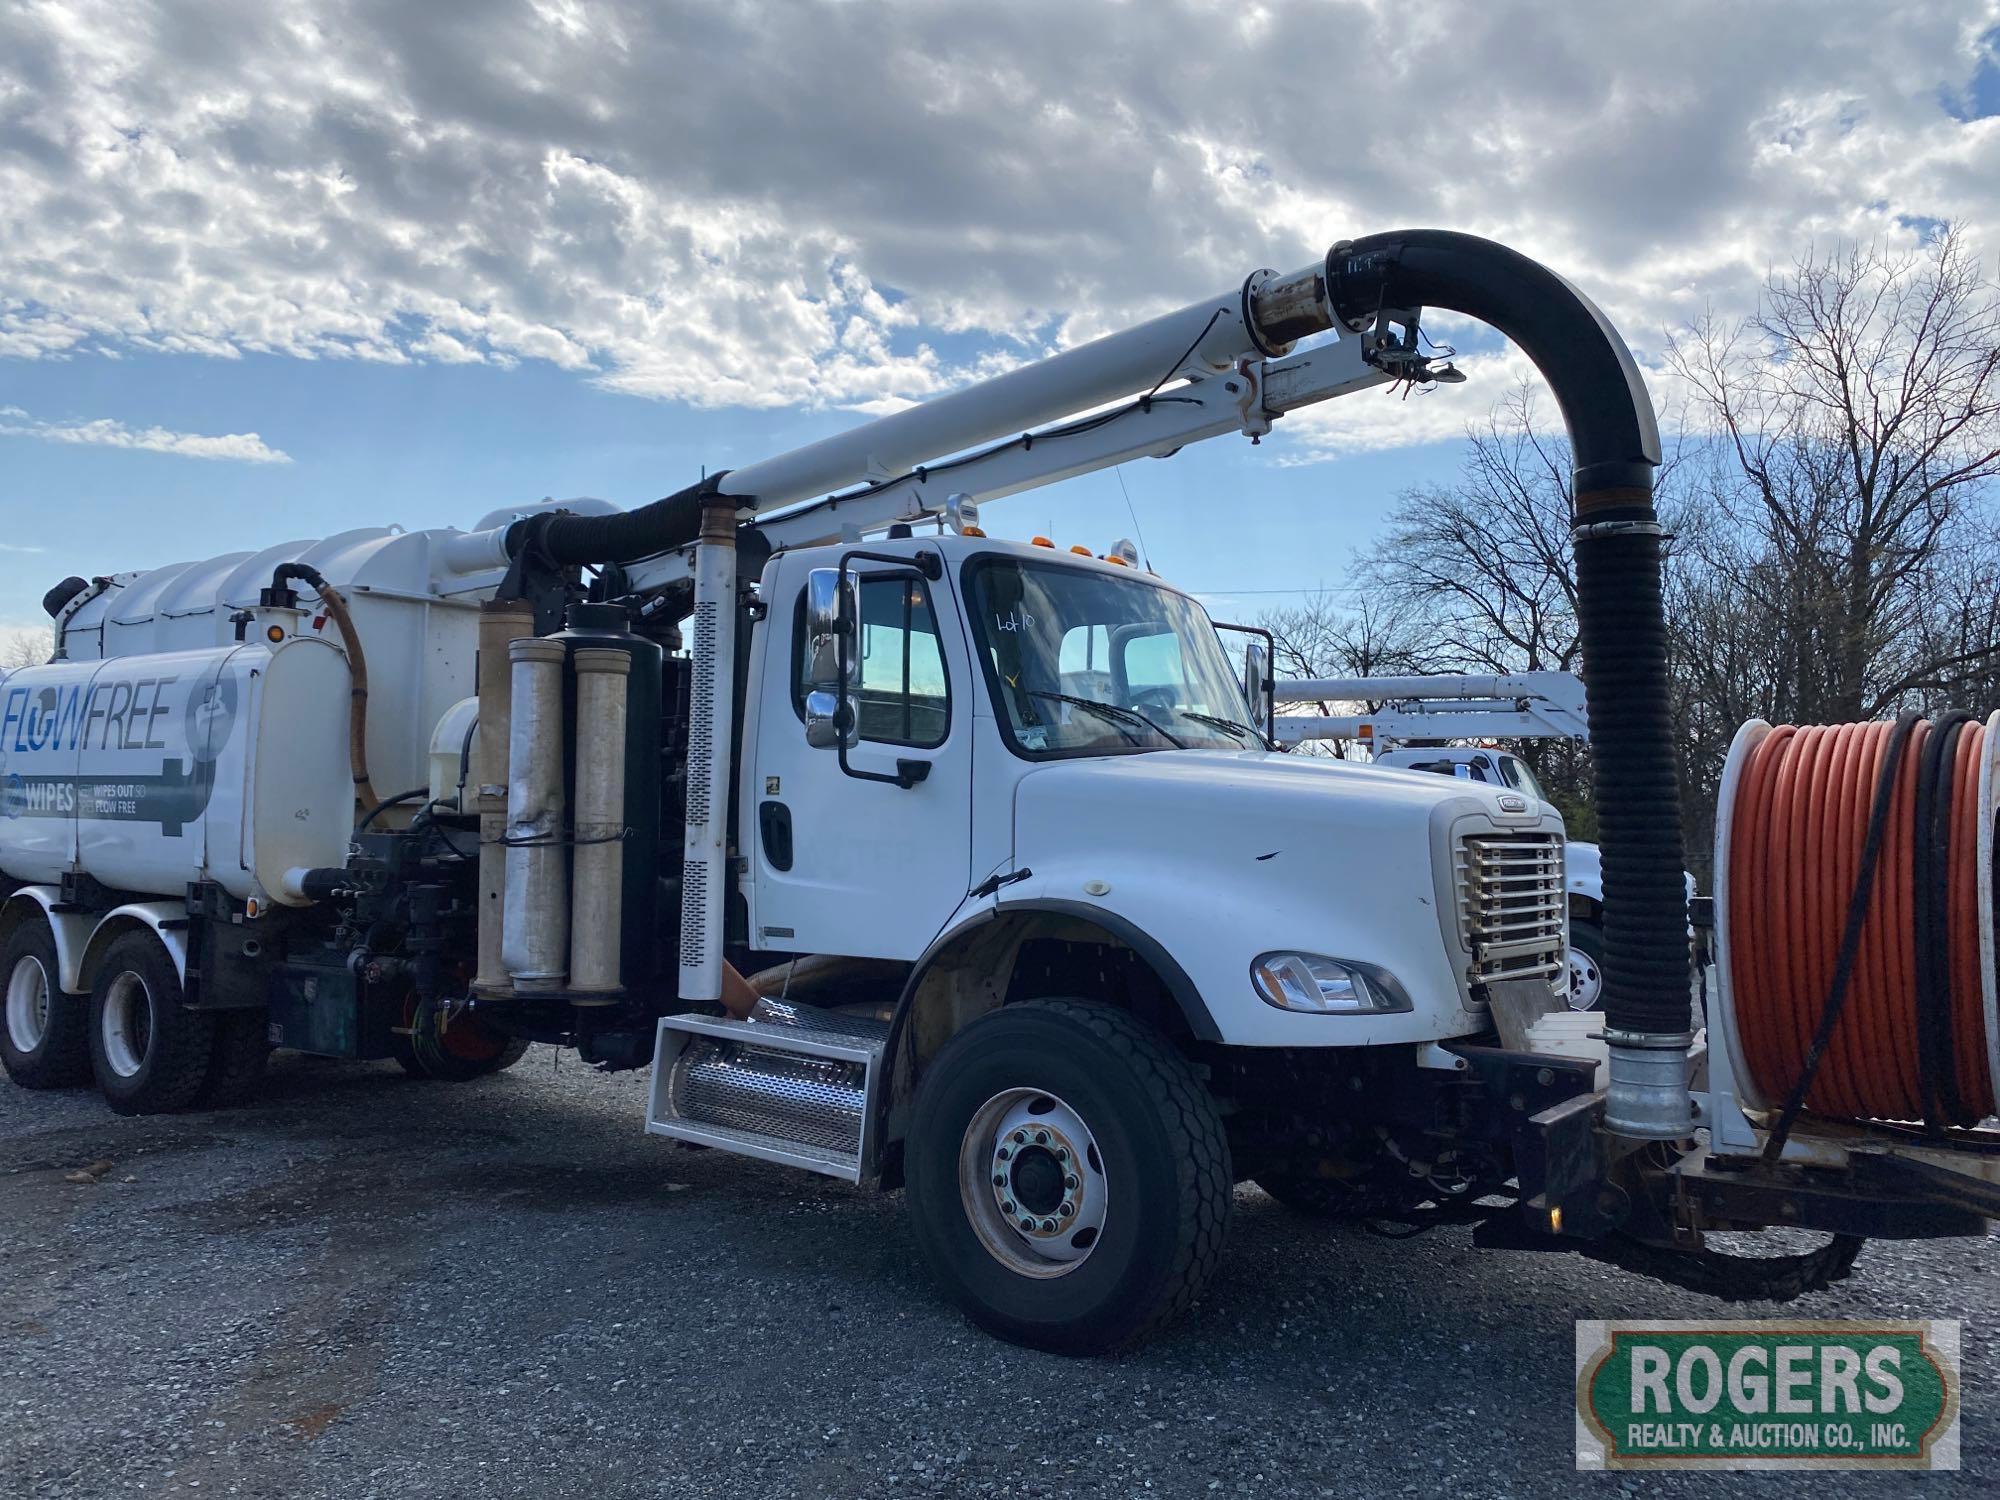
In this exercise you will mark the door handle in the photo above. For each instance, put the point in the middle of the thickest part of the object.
(774, 829)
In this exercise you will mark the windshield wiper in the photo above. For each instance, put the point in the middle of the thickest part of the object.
(1116, 713)
(1228, 726)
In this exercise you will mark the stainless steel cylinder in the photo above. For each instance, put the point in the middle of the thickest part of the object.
(597, 885)
(535, 929)
(499, 623)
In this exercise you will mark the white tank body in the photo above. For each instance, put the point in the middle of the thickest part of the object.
(148, 772)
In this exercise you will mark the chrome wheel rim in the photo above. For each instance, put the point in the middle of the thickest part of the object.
(1586, 981)
(126, 1030)
(1032, 1183)
(28, 1003)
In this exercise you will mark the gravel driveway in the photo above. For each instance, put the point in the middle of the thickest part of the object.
(361, 1286)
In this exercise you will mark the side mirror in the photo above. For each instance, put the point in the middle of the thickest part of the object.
(826, 625)
(1257, 685)
(824, 712)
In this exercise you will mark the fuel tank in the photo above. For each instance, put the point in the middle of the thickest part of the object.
(150, 771)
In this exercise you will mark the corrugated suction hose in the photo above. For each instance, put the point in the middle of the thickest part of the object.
(1854, 919)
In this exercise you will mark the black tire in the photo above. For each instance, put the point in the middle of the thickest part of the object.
(1587, 938)
(242, 1047)
(459, 1051)
(149, 1052)
(44, 1030)
(1165, 1174)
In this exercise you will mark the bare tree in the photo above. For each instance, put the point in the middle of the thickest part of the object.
(28, 646)
(1859, 420)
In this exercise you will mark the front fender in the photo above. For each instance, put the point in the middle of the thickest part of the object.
(1201, 933)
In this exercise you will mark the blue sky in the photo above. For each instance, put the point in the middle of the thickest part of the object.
(271, 268)
(424, 445)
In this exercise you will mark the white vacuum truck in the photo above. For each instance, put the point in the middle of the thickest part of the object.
(1041, 927)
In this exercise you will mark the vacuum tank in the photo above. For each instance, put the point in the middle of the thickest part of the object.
(149, 772)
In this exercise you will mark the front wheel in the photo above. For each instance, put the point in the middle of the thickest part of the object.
(1068, 1177)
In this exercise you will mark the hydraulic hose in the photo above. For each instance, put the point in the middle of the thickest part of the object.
(1621, 623)
(357, 667)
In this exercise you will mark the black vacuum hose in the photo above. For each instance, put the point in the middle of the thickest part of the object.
(1621, 621)
(567, 541)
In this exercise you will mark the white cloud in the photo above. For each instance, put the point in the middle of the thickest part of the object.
(102, 432)
(765, 205)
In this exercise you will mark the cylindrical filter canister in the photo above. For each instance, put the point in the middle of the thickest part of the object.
(535, 933)
(597, 869)
(500, 622)
(1806, 810)
(646, 951)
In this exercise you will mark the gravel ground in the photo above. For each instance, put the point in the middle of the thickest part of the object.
(361, 1286)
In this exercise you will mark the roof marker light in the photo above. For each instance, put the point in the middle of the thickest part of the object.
(961, 514)
(1040, 541)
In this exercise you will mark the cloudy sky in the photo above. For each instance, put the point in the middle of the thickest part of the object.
(271, 268)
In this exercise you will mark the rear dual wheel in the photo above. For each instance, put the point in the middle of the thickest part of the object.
(43, 1029)
(149, 1052)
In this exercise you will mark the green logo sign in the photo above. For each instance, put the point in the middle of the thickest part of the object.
(1767, 1395)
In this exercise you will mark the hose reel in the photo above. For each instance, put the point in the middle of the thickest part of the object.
(1855, 918)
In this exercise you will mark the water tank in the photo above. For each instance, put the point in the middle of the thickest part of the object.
(151, 771)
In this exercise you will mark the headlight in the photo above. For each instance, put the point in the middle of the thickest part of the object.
(1318, 985)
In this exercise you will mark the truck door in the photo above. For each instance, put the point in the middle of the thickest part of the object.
(843, 865)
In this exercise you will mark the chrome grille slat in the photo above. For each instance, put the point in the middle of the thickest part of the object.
(1512, 905)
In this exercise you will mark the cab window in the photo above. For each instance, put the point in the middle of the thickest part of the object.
(902, 696)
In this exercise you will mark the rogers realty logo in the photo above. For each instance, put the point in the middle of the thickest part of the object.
(1767, 1395)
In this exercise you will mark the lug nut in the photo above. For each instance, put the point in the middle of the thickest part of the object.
(1020, 1137)
(1062, 1153)
(1048, 1226)
(1070, 1181)
(1041, 1137)
(1068, 1209)
(1029, 1225)
(1003, 1153)
(1007, 1207)
(999, 1179)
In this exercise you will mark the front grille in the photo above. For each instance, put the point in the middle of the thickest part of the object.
(1511, 905)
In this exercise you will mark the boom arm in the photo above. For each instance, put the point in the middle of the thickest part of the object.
(1524, 705)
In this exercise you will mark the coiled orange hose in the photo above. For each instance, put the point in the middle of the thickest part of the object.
(1797, 835)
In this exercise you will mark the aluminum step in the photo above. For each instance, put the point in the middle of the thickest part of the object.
(794, 1084)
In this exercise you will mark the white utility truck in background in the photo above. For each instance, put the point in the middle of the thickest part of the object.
(1438, 710)
(1042, 928)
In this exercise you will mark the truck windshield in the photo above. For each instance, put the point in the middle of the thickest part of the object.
(1086, 661)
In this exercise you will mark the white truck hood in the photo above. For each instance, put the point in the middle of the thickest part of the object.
(1220, 856)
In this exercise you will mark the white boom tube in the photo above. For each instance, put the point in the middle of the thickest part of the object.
(1205, 337)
